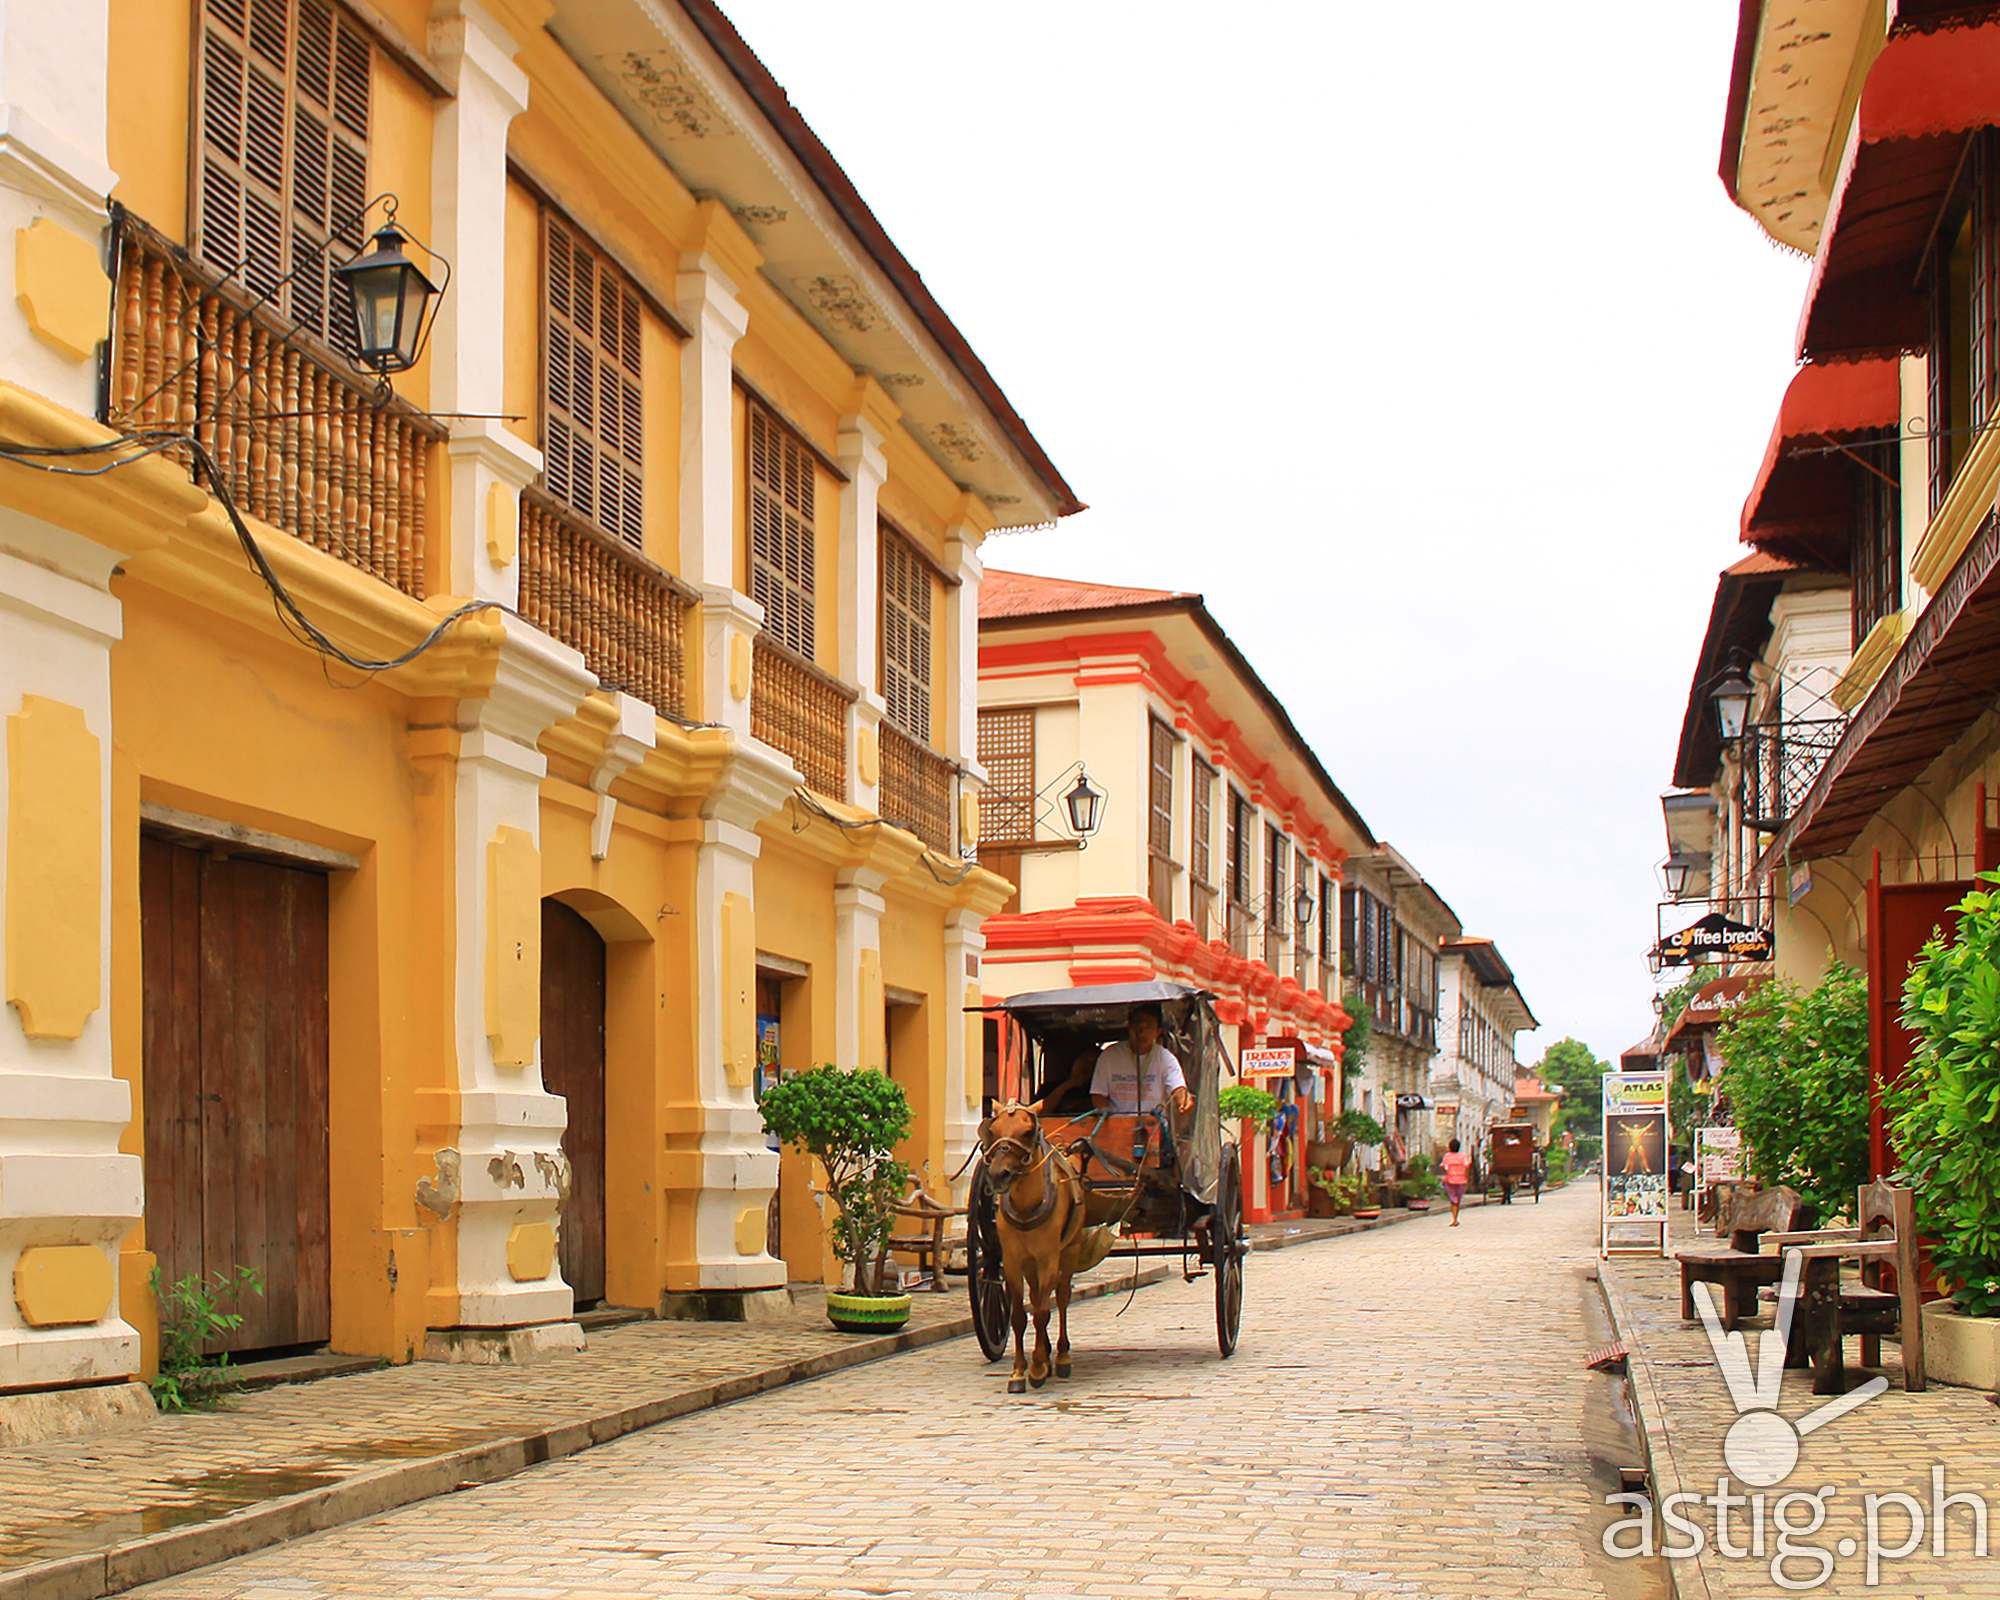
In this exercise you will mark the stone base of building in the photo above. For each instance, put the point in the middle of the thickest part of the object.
(41, 1414)
(727, 1305)
(502, 1347)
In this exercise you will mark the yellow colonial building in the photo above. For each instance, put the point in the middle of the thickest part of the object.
(409, 886)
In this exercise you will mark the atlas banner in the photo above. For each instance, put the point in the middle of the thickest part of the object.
(1255, 1066)
(1714, 938)
(1634, 1190)
(1718, 1156)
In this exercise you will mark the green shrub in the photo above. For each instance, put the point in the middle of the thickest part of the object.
(193, 1312)
(850, 1121)
(1345, 1189)
(1944, 1114)
(1559, 1164)
(1247, 1100)
(1420, 1181)
(1795, 1068)
(1360, 1127)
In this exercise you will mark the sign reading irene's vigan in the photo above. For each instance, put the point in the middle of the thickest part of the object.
(1715, 938)
(1634, 1185)
(1259, 1064)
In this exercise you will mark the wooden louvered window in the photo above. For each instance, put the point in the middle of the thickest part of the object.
(593, 409)
(1240, 824)
(1007, 752)
(1328, 910)
(1160, 809)
(1201, 809)
(907, 585)
(1875, 554)
(281, 118)
(781, 531)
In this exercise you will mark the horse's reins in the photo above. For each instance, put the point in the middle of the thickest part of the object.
(1028, 1219)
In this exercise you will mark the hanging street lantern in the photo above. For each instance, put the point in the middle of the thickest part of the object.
(1732, 703)
(1086, 806)
(1675, 873)
(1302, 908)
(392, 303)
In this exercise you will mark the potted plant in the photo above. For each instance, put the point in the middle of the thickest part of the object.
(1421, 1185)
(851, 1122)
(1248, 1103)
(1332, 1194)
(1358, 1128)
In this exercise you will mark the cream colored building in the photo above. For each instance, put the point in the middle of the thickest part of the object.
(1472, 1077)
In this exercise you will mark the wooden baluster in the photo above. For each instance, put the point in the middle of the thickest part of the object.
(293, 434)
(243, 480)
(133, 345)
(256, 490)
(182, 400)
(418, 468)
(381, 560)
(384, 483)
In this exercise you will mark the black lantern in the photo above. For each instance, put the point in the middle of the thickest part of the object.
(1732, 703)
(392, 299)
(1302, 908)
(1675, 872)
(1086, 806)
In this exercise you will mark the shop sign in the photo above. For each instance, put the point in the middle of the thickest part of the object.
(1715, 938)
(1261, 1065)
(1718, 1155)
(1411, 1102)
(1634, 1189)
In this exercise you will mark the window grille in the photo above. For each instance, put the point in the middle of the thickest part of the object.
(1007, 752)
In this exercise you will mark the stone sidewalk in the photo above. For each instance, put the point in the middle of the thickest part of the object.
(1889, 1445)
(95, 1515)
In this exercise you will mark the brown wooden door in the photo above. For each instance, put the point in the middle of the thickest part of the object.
(235, 1085)
(573, 1067)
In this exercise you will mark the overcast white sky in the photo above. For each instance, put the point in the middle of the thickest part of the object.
(1422, 340)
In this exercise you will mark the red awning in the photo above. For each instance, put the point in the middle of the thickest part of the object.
(1803, 498)
(1924, 94)
(1708, 1005)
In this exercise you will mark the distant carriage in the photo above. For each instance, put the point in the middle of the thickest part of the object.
(1170, 1186)
(1516, 1157)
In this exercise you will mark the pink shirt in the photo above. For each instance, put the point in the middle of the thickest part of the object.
(1457, 1166)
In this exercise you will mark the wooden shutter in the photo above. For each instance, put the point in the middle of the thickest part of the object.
(781, 531)
(1327, 912)
(1160, 788)
(1239, 850)
(1274, 877)
(1007, 752)
(1201, 812)
(906, 636)
(1982, 337)
(593, 412)
(281, 115)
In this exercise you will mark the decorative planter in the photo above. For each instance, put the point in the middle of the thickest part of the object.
(1364, 1213)
(1961, 1349)
(1319, 1203)
(1418, 1205)
(867, 1313)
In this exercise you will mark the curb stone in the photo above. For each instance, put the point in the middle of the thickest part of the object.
(1661, 1471)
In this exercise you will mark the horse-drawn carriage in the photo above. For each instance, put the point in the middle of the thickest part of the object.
(1160, 1183)
(1516, 1157)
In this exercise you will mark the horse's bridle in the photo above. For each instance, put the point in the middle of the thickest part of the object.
(1032, 1155)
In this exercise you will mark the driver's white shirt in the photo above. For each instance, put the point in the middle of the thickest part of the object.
(1119, 1080)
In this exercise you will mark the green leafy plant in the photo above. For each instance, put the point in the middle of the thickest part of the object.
(1420, 1179)
(850, 1121)
(1795, 1068)
(1355, 1041)
(1344, 1189)
(1360, 1127)
(1247, 1100)
(1559, 1164)
(194, 1311)
(1944, 1113)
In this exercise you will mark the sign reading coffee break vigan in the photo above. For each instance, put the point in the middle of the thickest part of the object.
(1634, 1189)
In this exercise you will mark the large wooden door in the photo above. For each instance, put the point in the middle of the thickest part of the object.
(573, 1067)
(235, 1083)
(1901, 919)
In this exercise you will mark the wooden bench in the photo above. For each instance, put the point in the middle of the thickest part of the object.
(927, 1241)
(1884, 1242)
(1741, 1269)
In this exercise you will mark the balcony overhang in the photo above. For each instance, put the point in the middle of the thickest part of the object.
(1739, 621)
(1802, 502)
(683, 77)
(1926, 94)
(1943, 679)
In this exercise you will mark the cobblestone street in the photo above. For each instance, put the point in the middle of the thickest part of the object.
(1405, 1416)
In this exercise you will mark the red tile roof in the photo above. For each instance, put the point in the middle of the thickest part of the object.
(1024, 594)
(1528, 1088)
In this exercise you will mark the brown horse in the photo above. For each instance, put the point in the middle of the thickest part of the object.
(1043, 1238)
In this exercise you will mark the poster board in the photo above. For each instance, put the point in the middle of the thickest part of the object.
(1633, 1190)
(1718, 1157)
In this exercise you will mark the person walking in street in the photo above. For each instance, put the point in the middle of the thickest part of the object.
(1457, 1168)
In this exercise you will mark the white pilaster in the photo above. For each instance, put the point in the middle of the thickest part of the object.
(489, 465)
(63, 1183)
(961, 648)
(857, 929)
(54, 170)
(860, 603)
(964, 950)
(737, 1174)
(510, 1134)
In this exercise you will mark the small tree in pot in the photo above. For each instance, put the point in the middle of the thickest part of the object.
(851, 1122)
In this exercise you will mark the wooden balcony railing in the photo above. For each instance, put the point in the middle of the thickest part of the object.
(796, 708)
(916, 789)
(298, 440)
(627, 616)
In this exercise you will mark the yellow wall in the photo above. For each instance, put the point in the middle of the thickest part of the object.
(147, 135)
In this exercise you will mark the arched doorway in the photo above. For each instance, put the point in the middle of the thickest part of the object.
(573, 1067)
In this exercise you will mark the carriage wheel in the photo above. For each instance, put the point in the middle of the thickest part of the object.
(984, 1283)
(1227, 1248)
